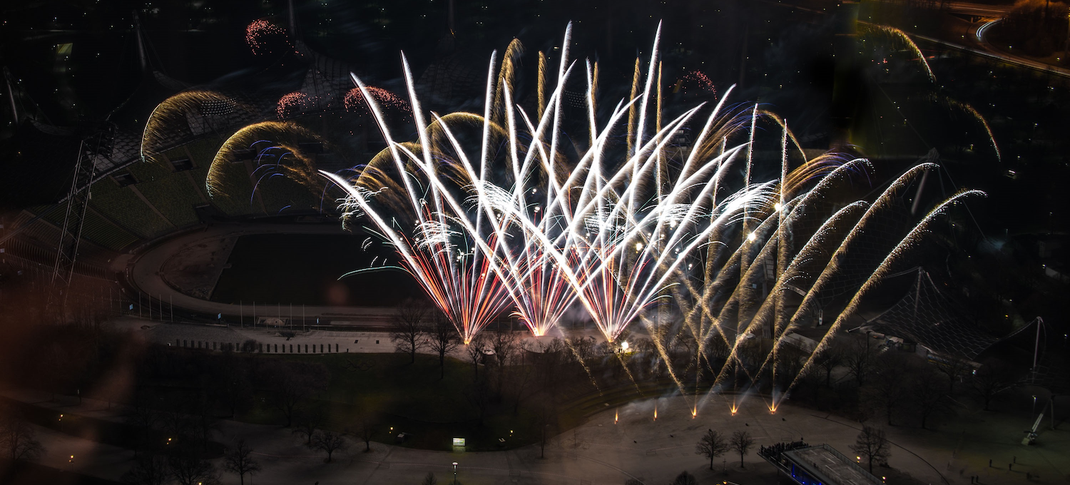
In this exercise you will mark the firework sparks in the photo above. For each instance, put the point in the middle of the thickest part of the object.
(266, 38)
(355, 103)
(696, 81)
(293, 104)
(511, 222)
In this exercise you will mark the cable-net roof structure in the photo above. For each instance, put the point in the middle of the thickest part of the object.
(927, 316)
(189, 115)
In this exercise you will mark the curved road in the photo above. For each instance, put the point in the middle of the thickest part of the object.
(992, 14)
(145, 272)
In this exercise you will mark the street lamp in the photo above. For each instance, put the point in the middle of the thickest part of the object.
(454, 473)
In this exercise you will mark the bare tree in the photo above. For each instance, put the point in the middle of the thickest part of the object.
(239, 460)
(505, 346)
(17, 441)
(711, 445)
(179, 426)
(520, 380)
(329, 442)
(308, 424)
(928, 393)
(292, 383)
(992, 379)
(148, 470)
(789, 362)
(479, 396)
(365, 430)
(859, 361)
(685, 339)
(545, 416)
(955, 370)
(442, 338)
(741, 442)
(229, 383)
(430, 479)
(828, 359)
(143, 419)
(717, 348)
(189, 469)
(206, 424)
(751, 354)
(582, 348)
(888, 388)
(406, 327)
(659, 347)
(549, 367)
(684, 478)
(872, 445)
(475, 349)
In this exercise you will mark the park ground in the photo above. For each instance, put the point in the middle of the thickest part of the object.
(619, 443)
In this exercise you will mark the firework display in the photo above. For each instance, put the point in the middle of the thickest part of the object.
(548, 240)
(490, 212)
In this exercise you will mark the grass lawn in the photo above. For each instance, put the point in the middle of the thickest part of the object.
(304, 269)
(410, 398)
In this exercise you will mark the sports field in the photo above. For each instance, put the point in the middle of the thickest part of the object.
(305, 269)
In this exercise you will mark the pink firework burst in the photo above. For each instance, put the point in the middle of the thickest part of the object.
(697, 80)
(265, 38)
(388, 101)
(293, 104)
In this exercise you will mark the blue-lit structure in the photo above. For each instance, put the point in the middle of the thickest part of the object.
(816, 465)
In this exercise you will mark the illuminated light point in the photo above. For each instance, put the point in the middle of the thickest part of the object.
(777, 207)
(655, 413)
(616, 416)
(624, 346)
(734, 409)
(694, 413)
(751, 237)
(638, 246)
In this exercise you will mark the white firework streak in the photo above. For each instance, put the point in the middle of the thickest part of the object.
(587, 233)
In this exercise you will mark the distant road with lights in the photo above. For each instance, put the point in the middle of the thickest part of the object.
(988, 16)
